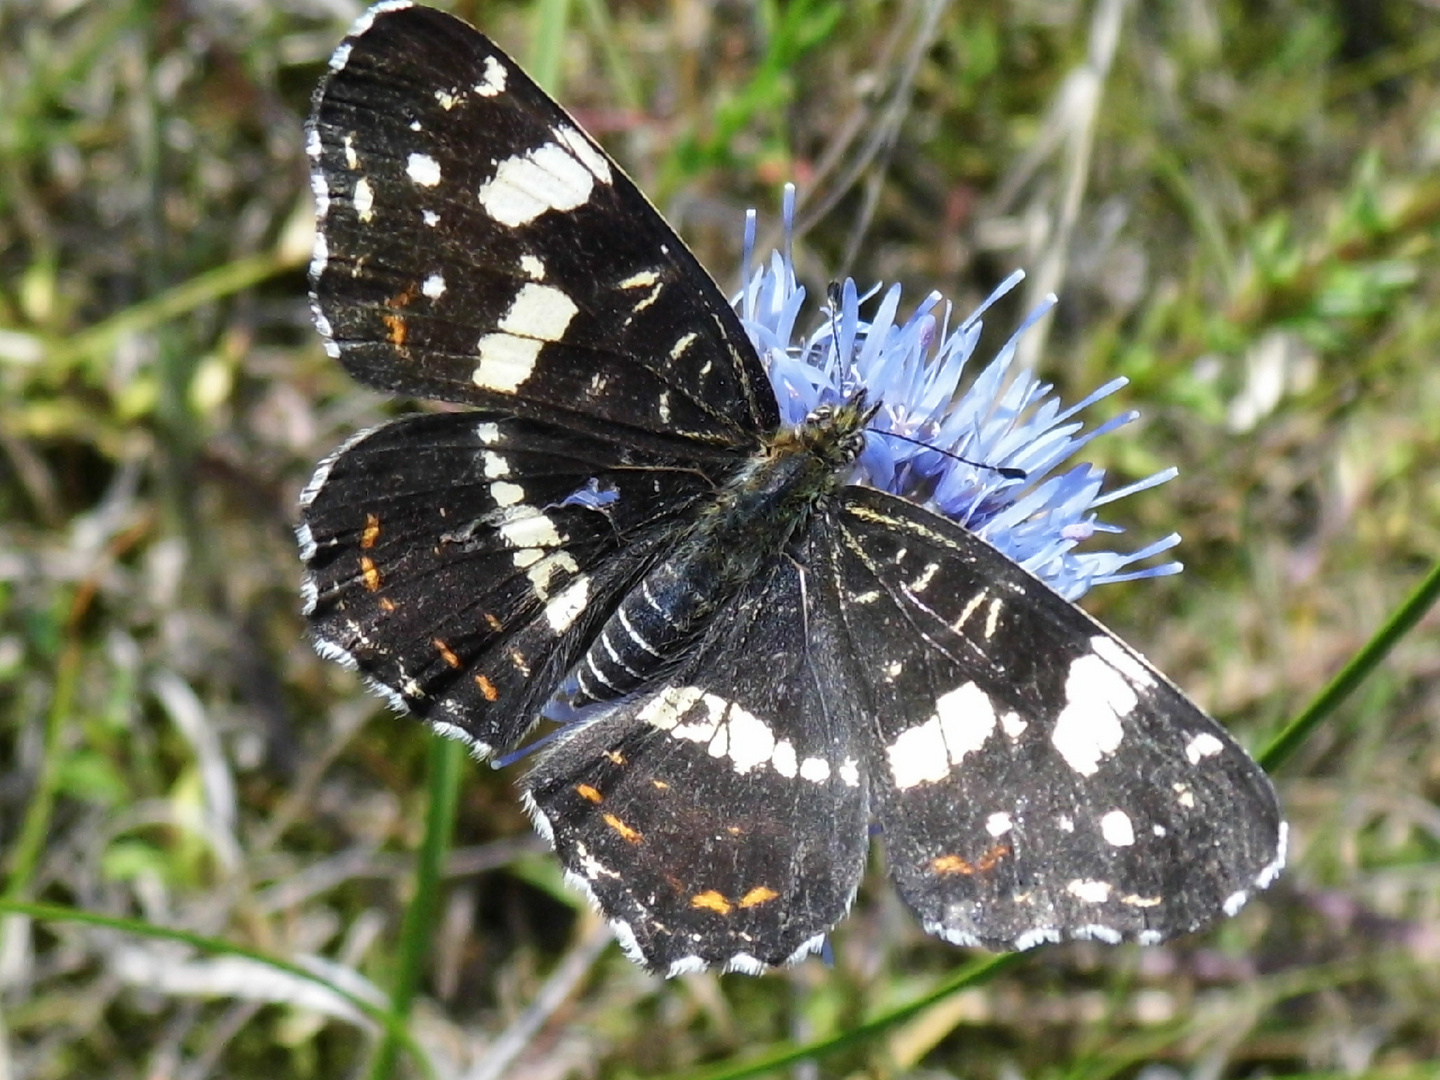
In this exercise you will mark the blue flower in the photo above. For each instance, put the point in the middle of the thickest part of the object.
(927, 424)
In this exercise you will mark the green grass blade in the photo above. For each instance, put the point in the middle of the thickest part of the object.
(447, 758)
(1420, 600)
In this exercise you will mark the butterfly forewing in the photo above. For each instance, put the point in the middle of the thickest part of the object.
(457, 559)
(720, 818)
(476, 246)
(1034, 778)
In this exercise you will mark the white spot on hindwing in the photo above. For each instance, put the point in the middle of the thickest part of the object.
(1202, 746)
(731, 731)
(998, 824)
(1096, 698)
(433, 286)
(562, 611)
(364, 200)
(1117, 829)
(423, 169)
(1092, 892)
(963, 719)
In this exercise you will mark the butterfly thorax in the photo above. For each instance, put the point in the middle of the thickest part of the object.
(757, 512)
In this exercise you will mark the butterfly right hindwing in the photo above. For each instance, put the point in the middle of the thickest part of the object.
(1033, 777)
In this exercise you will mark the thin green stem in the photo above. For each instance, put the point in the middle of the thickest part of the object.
(1355, 672)
(445, 768)
(26, 854)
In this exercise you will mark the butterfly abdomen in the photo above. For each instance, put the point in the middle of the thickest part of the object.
(753, 519)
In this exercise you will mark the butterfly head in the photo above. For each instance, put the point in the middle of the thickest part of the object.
(835, 433)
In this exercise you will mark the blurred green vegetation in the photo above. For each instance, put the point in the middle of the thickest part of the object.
(1238, 205)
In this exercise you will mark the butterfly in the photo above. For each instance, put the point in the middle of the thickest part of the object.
(762, 658)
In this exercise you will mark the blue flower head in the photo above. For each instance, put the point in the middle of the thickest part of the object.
(927, 424)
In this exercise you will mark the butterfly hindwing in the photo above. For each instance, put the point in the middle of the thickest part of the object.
(720, 818)
(456, 559)
(475, 245)
(1034, 778)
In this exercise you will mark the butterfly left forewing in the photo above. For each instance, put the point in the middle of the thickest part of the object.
(475, 245)
(1035, 779)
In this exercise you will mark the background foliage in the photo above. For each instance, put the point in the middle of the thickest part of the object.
(1237, 202)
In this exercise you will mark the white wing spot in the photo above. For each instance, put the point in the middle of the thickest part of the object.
(643, 280)
(433, 286)
(1092, 892)
(666, 708)
(925, 577)
(745, 739)
(592, 159)
(532, 267)
(998, 824)
(1066, 823)
(992, 618)
(1117, 829)
(542, 574)
(849, 772)
(1134, 900)
(561, 611)
(448, 99)
(430, 218)
(493, 81)
(489, 434)
(526, 186)
(783, 759)
(1202, 746)
(964, 718)
(1234, 902)
(1122, 660)
(505, 493)
(352, 159)
(816, 770)
(682, 344)
(665, 406)
(1013, 726)
(539, 311)
(970, 606)
(506, 361)
(529, 528)
(364, 200)
(423, 169)
(1088, 728)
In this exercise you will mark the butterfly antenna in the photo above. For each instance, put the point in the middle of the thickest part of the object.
(833, 295)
